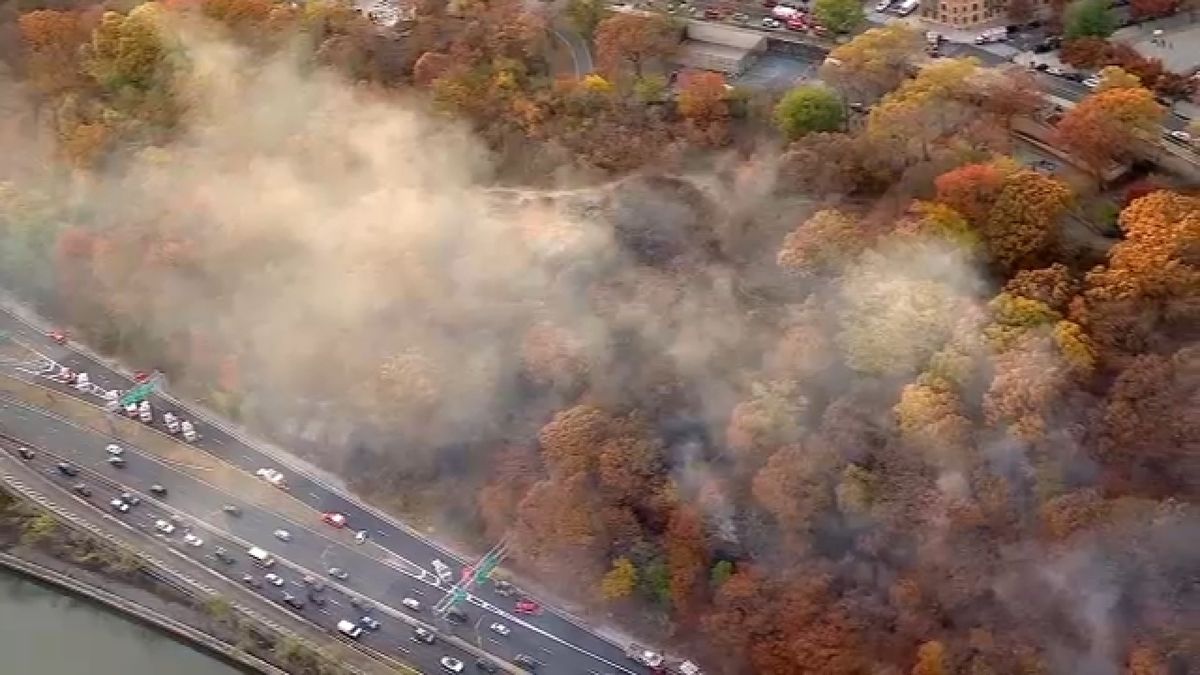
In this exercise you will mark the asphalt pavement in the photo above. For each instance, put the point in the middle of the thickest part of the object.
(560, 644)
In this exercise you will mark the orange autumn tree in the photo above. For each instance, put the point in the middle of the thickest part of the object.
(703, 105)
(1106, 127)
(634, 40)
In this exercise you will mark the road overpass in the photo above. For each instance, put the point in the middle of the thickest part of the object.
(562, 644)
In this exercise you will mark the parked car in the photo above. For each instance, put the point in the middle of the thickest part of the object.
(26, 453)
(1092, 82)
(882, 5)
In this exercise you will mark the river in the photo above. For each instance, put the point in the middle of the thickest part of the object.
(43, 632)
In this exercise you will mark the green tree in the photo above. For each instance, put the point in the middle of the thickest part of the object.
(620, 581)
(808, 109)
(585, 15)
(1089, 18)
(720, 573)
(839, 16)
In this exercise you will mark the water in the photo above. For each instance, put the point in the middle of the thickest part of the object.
(43, 632)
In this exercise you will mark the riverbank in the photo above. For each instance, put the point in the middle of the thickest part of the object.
(37, 545)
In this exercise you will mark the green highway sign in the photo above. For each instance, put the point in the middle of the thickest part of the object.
(139, 393)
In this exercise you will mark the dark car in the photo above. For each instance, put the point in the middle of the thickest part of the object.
(223, 555)
(251, 581)
(67, 469)
(131, 499)
(318, 600)
(26, 453)
(370, 623)
(315, 584)
(358, 603)
(527, 662)
(231, 510)
(486, 666)
(504, 588)
(292, 600)
(456, 616)
(158, 490)
(81, 490)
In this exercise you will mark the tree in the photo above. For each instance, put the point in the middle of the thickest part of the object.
(808, 109)
(1152, 9)
(873, 63)
(1023, 223)
(687, 556)
(839, 16)
(720, 573)
(52, 41)
(620, 581)
(1115, 77)
(973, 189)
(771, 417)
(1089, 18)
(586, 15)
(571, 441)
(931, 659)
(633, 39)
(821, 244)
(931, 417)
(1106, 127)
(1008, 94)
(128, 50)
(702, 101)
(1087, 52)
(933, 106)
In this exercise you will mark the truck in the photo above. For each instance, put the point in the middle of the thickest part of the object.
(349, 629)
(992, 35)
(260, 557)
(908, 7)
(784, 13)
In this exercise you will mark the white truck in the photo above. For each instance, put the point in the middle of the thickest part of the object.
(908, 7)
(784, 13)
(992, 35)
(349, 629)
(260, 557)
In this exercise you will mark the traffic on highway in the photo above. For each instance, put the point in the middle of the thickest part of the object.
(325, 547)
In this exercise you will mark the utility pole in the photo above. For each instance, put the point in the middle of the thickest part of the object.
(473, 575)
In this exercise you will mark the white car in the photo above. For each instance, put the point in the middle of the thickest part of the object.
(144, 413)
(274, 579)
(452, 664)
(189, 432)
(119, 505)
(192, 540)
(1092, 82)
(163, 526)
(1179, 137)
(412, 604)
(113, 449)
(773, 24)
(171, 422)
(882, 5)
(283, 535)
(271, 476)
(360, 537)
(501, 629)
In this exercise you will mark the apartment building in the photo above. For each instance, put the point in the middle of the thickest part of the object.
(967, 14)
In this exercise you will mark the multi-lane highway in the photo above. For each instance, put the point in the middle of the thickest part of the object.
(560, 645)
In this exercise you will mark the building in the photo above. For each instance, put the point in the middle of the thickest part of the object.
(967, 14)
(724, 49)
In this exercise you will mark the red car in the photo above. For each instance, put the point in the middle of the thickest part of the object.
(527, 607)
(335, 519)
(59, 337)
(797, 23)
(140, 376)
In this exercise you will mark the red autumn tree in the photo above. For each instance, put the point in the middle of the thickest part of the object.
(702, 101)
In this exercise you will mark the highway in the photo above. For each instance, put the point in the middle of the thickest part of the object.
(562, 646)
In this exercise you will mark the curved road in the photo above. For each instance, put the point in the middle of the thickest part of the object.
(563, 647)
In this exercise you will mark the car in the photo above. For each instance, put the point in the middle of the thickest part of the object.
(712, 13)
(316, 584)
(486, 666)
(158, 490)
(231, 510)
(192, 540)
(274, 579)
(358, 603)
(882, 5)
(501, 629)
(144, 412)
(423, 635)
(369, 623)
(223, 555)
(770, 23)
(282, 535)
(456, 615)
(503, 588)
(451, 664)
(67, 469)
(360, 537)
(188, 431)
(1179, 137)
(119, 506)
(349, 629)
(293, 601)
(26, 453)
(113, 449)
(171, 422)
(411, 603)
(81, 489)
(117, 462)
(526, 661)
(335, 519)
(131, 499)
(164, 526)
(250, 581)
(526, 607)
(339, 573)
(1092, 82)
(318, 600)
(271, 476)
(59, 337)
(131, 409)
